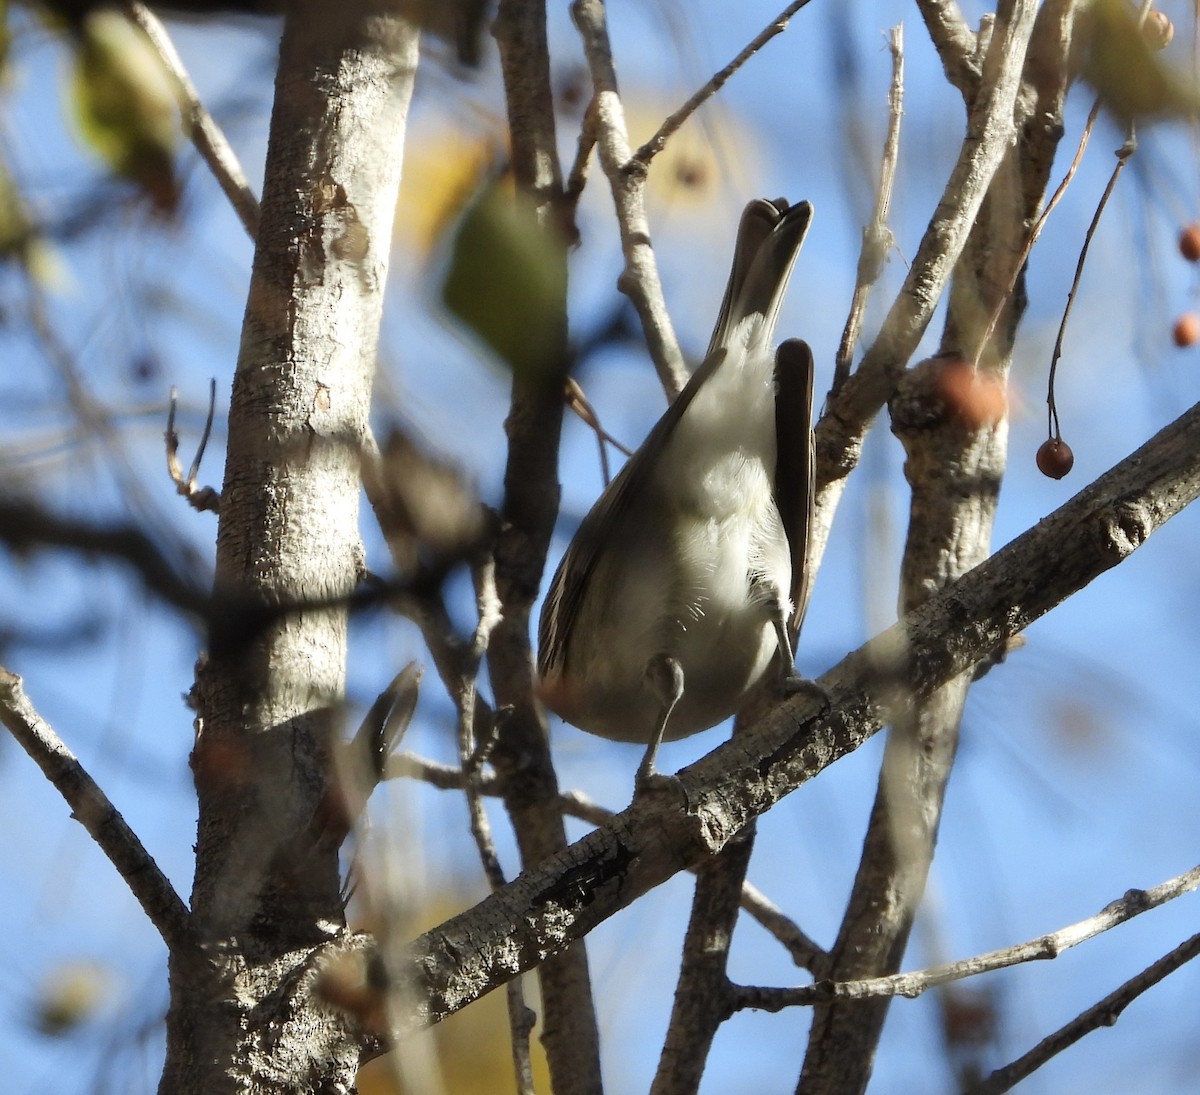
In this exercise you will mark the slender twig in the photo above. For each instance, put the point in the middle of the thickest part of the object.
(1036, 231)
(1131, 904)
(627, 179)
(577, 176)
(579, 403)
(198, 124)
(656, 143)
(93, 810)
(1123, 154)
(471, 751)
(877, 236)
(199, 498)
(1104, 1013)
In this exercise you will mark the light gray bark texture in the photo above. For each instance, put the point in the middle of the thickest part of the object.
(266, 895)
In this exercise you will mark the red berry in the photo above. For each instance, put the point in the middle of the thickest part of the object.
(1189, 242)
(1186, 331)
(1055, 458)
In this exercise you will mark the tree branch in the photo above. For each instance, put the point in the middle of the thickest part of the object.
(529, 509)
(990, 131)
(877, 238)
(955, 43)
(703, 995)
(92, 809)
(1102, 1014)
(803, 950)
(198, 124)
(718, 80)
(1042, 948)
(627, 178)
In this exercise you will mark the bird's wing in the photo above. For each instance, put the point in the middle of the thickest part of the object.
(569, 586)
(794, 464)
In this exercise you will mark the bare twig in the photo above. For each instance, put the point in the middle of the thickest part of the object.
(1051, 945)
(199, 498)
(656, 143)
(579, 403)
(470, 751)
(1102, 1014)
(1123, 154)
(990, 128)
(877, 237)
(521, 755)
(198, 124)
(1036, 231)
(805, 952)
(92, 809)
(627, 178)
(577, 176)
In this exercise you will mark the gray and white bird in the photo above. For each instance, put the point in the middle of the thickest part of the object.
(687, 581)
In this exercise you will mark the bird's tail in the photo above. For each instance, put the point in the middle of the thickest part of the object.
(768, 240)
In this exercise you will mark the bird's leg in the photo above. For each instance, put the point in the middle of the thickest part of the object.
(663, 676)
(791, 681)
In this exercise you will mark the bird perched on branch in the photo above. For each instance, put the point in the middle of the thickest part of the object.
(687, 581)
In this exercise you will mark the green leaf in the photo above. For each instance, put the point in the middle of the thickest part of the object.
(506, 281)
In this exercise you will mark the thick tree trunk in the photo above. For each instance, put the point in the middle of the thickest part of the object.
(266, 896)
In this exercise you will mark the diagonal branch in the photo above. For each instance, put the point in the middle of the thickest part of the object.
(1045, 947)
(990, 132)
(1104, 1013)
(205, 134)
(717, 81)
(877, 238)
(955, 43)
(93, 810)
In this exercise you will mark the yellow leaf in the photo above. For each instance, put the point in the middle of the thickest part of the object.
(69, 996)
(441, 172)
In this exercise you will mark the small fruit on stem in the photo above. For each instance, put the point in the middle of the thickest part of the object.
(1055, 458)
